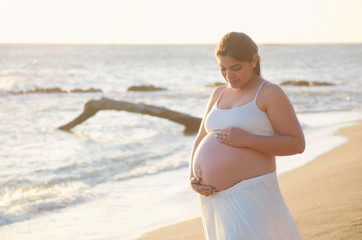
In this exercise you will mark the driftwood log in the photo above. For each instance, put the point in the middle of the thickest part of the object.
(191, 124)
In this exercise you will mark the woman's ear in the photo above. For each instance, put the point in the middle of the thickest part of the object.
(255, 59)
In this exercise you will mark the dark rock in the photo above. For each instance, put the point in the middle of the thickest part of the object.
(144, 88)
(77, 90)
(305, 83)
(215, 84)
(56, 90)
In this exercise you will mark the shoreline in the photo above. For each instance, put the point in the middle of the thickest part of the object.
(324, 195)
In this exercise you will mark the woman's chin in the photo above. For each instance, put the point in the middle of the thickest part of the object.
(233, 84)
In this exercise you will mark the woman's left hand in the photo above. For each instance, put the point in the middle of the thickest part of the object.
(232, 136)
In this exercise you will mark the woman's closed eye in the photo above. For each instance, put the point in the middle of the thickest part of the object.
(233, 69)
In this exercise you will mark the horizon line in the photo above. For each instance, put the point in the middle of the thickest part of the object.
(174, 43)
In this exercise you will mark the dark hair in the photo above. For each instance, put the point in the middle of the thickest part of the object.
(238, 46)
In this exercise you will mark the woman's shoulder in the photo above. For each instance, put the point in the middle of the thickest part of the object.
(272, 93)
(216, 93)
(271, 89)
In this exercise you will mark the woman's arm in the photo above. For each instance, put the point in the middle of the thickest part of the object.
(289, 138)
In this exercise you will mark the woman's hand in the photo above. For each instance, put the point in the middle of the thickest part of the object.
(233, 136)
(201, 189)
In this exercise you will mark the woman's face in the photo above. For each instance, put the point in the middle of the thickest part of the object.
(236, 73)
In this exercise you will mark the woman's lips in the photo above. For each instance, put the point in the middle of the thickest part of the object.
(233, 82)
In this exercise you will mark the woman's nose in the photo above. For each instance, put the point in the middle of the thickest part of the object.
(229, 74)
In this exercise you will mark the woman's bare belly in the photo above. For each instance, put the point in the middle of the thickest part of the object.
(222, 166)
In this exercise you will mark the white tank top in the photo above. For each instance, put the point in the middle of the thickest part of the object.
(247, 117)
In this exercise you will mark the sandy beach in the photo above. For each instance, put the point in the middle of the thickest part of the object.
(324, 196)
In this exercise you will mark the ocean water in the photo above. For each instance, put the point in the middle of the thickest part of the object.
(120, 174)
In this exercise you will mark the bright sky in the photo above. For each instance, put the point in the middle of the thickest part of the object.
(180, 21)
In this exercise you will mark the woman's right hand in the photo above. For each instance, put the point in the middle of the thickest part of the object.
(201, 189)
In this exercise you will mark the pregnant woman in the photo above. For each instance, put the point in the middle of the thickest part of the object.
(247, 123)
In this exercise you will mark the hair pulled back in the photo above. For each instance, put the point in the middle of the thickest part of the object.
(238, 46)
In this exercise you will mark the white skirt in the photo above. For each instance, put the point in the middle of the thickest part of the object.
(251, 209)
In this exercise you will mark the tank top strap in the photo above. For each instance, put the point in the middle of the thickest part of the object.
(257, 93)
